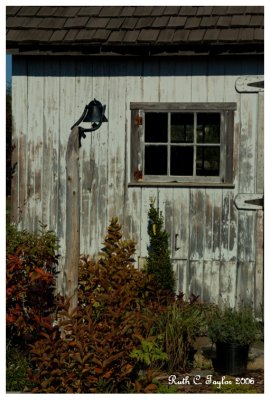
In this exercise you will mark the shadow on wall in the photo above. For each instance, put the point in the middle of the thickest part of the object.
(130, 66)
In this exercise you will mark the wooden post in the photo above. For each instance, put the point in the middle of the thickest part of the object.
(70, 278)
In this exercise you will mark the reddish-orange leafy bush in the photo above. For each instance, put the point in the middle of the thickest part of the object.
(30, 283)
(115, 312)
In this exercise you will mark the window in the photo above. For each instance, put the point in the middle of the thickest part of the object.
(182, 142)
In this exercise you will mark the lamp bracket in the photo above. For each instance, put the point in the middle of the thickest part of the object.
(95, 125)
(81, 135)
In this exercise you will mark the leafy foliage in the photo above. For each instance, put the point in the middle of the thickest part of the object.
(30, 283)
(17, 367)
(149, 353)
(233, 326)
(10, 168)
(38, 249)
(180, 324)
(115, 313)
(158, 261)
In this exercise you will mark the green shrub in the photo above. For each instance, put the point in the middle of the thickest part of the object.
(17, 365)
(233, 326)
(149, 353)
(158, 260)
(38, 249)
(180, 324)
(115, 313)
(30, 283)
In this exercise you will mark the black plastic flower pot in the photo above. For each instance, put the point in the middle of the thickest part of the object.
(231, 358)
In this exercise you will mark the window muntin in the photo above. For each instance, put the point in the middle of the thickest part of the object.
(183, 142)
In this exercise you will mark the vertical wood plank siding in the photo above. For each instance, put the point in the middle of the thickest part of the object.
(213, 245)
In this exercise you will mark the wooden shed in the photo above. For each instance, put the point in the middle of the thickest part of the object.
(183, 89)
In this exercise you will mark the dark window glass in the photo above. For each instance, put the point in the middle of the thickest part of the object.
(156, 127)
(182, 126)
(185, 145)
(208, 128)
(155, 160)
(182, 160)
(208, 160)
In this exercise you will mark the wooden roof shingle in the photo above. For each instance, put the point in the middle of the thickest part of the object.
(135, 29)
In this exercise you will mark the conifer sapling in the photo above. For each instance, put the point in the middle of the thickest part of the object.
(158, 260)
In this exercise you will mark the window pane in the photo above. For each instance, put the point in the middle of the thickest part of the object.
(182, 160)
(156, 127)
(208, 160)
(208, 128)
(182, 126)
(155, 160)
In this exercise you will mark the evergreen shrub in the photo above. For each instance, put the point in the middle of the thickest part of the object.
(158, 261)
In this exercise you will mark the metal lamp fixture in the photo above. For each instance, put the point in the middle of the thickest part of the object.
(94, 112)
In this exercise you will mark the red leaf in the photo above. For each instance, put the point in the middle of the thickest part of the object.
(98, 371)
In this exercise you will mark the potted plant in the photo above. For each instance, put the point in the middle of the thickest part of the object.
(233, 331)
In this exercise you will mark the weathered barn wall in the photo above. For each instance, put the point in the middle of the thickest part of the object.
(214, 245)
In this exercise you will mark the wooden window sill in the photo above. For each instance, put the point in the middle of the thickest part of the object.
(183, 184)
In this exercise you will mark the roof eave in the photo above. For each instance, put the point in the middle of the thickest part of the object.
(145, 49)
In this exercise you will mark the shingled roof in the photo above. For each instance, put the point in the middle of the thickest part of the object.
(135, 30)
